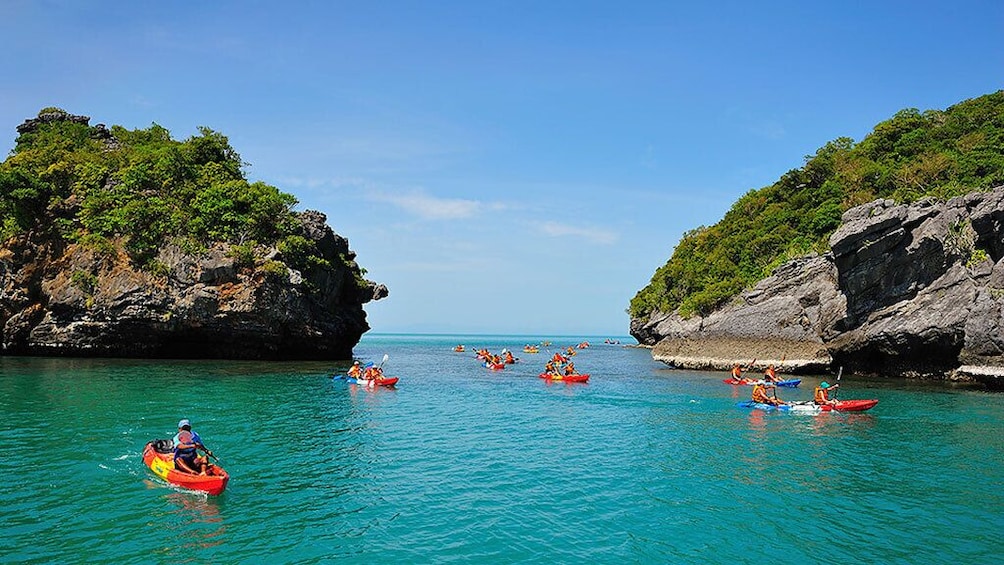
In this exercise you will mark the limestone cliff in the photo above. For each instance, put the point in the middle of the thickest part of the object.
(907, 290)
(65, 299)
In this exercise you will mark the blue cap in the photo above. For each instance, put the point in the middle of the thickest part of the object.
(824, 384)
(183, 423)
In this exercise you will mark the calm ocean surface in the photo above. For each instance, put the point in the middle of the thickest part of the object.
(459, 464)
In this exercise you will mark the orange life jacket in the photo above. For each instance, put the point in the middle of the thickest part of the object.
(820, 396)
(760, 394)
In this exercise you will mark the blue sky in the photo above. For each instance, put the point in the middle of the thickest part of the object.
(503, 167)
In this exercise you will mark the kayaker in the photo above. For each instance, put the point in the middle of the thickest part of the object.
(509, 359)
(570, 368)
(550, 369)
(355, 371)
(737, 374)
(760, 394)
(372, 373)
(821, 396)
(186, 444)
(770, 375)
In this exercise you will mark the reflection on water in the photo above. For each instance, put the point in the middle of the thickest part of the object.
(193, 523)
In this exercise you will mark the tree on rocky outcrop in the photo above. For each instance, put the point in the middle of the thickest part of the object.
(114, 236)
(913, 155)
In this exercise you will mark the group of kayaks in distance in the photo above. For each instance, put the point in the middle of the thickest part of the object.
(764, 395)
(558, 368)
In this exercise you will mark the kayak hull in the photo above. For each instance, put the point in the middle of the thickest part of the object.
(853, 405)
(790, 383)
(162, 465)
(565, 378)
(812, 408)
(387, 381)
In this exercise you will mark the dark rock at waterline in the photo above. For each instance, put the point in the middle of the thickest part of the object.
(907, 290)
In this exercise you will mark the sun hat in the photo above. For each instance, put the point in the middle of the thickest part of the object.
(824, 384)
(184, 422)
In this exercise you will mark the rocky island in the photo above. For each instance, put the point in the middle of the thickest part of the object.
(910, 284)
(130, 244)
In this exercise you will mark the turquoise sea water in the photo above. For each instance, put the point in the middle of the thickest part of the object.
(643, 464)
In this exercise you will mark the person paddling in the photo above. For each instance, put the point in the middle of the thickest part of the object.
(570, 368)
(822, 397)
(760, 394)
(186, 444)
(372, 372)
(770, 374)
(355, 371)
(737, 373)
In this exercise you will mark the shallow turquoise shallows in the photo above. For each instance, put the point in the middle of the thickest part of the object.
(642, 464)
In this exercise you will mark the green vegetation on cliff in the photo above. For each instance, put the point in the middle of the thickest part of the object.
(138, 190)
(913, 155)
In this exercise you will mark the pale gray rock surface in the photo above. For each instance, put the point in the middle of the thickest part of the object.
(907, 290)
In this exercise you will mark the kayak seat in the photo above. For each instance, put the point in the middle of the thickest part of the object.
(163, 445)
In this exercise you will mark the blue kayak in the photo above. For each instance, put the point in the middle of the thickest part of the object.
(762, 406)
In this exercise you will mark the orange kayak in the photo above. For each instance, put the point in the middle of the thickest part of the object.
(160, 459)
(565, 378)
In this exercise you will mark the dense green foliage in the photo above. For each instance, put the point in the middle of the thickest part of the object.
(137, 190)
(914, 154)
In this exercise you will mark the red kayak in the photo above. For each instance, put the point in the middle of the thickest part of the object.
(565, 378)
(382, 381)
(159, 457)
(852, 405)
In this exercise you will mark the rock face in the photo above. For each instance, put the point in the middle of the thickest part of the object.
(62, 299)
(912, 290)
